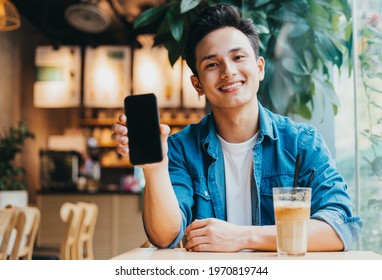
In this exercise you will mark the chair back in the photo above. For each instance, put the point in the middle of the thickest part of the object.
(7, 223)
(86, 231)
(24, 243)
(17, 241)
(72, 215)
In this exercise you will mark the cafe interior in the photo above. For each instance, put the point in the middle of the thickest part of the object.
(65, 69)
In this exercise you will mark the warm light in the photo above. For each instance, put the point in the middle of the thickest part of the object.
(107, 76)
(9, 16)
(146, 67)
(104, 79)
(152, 73)
(58, 77)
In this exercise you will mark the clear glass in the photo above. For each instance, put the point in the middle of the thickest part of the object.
(292, 211)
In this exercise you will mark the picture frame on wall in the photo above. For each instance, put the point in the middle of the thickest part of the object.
(153, 73)
(58, 77)
(107, 76)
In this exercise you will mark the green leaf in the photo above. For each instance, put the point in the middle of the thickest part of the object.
(262, 29)
(174, 51)
(176, 24)
(259, 3)
(376, 105)
(328, 49)
(376, 139)
(374, 89)
(291, 65)
(374, 75)
(187, 5)
(150, 15)
(335, 108)
(299, 29)
(325, 88)
(304, 111)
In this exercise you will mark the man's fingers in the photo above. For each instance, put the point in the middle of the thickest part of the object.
(123, 150)
(122, 118)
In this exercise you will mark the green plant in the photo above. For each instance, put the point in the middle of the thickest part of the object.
(11, 143)
(369, 119)
(301, 41)
(370, 59)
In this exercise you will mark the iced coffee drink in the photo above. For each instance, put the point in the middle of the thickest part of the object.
(292, 211)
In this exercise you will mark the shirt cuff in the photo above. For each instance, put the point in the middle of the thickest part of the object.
(347, 228)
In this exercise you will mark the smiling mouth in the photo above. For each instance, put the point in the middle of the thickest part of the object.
(232, 86)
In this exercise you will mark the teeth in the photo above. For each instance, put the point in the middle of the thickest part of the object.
(231, 86)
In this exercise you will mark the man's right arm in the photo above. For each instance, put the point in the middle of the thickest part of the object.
(161, 213)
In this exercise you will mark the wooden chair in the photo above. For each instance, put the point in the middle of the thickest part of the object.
(73, 216)
(86, 231)
(7, 223)
(29, 220)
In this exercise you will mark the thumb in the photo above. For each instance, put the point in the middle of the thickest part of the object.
(164, 131)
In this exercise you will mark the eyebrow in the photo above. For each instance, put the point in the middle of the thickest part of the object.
(210, 56)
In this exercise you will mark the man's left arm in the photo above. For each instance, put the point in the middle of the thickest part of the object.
(331, 203)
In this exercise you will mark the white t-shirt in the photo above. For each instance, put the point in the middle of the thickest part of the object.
(238, 164)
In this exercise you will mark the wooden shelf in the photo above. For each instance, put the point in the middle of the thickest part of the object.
(115, 166)
(179, 121)
(98, 122)
(168, 121)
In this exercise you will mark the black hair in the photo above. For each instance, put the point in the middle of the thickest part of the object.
(211, 19)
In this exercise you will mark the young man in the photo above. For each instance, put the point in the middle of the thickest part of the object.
(215, 182)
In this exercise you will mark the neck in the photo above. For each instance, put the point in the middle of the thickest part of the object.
(237, 126)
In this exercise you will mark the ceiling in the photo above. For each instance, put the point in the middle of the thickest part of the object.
(114, 19)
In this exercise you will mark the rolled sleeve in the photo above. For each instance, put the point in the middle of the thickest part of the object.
(179, 238)
(347, 228)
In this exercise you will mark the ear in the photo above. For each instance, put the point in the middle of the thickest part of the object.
(197, 85)
(261, 67)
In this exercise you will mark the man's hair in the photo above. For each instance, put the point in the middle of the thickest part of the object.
(211, 19)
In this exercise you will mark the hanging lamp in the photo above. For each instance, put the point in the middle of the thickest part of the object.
(9, 16)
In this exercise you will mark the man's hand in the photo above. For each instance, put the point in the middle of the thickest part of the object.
(120, 135)
(214, 235)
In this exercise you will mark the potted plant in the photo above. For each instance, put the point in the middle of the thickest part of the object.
(12, 184)
(300, 40)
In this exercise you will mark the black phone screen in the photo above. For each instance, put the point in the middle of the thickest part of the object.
(143, 129)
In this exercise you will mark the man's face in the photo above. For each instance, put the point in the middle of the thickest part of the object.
(229, 73)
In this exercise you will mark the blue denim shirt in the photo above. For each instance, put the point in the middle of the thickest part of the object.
(196, 166)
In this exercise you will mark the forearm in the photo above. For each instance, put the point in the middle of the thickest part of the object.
(161, 213)
(321, 237)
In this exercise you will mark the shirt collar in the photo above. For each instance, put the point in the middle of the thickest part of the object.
(266, 124)
(210, 141)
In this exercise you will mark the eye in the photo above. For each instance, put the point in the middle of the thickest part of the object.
(211, 65)
(239, 57)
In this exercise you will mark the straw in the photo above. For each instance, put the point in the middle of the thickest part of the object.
(296, 169)
(311, 178)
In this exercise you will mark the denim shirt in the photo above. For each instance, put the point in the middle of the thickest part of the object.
(196, 166)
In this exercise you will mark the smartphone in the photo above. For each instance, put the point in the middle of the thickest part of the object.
(143, 128)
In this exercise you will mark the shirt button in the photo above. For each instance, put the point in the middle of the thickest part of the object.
(206, 193)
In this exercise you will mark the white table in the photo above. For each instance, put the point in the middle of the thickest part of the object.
(182, 254)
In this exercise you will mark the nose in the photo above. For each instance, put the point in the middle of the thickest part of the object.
(228, 69)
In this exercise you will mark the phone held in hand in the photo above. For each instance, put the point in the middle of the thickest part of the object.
(143, 129)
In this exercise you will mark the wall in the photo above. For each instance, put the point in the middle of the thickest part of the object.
(9, 72)
(16, 98)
